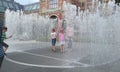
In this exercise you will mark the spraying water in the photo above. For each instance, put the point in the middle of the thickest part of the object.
(27, 27)
(96, 33)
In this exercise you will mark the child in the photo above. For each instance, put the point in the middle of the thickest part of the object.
(70, 34)
(53, 37)
(4, 30)
(62, 40)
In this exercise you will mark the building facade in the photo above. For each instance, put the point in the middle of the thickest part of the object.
(32, 8)
(51, 8)
(54, 9)
(8, 4)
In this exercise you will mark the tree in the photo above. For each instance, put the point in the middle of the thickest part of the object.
(117, 2)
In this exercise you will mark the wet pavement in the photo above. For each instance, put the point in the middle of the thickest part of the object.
(83, 57)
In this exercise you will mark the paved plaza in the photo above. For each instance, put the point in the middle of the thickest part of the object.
(32, 56)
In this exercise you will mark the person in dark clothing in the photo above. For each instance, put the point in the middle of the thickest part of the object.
(1, 55)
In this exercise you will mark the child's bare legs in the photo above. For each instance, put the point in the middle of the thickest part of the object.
(62, 48)
(5, 46)
(53, 48)
(5, 49)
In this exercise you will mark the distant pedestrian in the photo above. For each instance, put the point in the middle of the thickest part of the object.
(62, 40)
(53, 37)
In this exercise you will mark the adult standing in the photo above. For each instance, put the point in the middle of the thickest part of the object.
(69, 33)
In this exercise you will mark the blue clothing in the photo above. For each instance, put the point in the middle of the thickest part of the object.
(1, 60)
(53, 42)
(1, 51)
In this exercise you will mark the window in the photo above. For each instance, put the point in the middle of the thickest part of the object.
(17, 7)
(28, 8)
(34, 7)
(1, 9)
(53, 4)
(5, 4)
(38, 6)
(0, 3)
(11, 5)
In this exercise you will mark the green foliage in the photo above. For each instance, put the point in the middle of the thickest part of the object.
(117, 2)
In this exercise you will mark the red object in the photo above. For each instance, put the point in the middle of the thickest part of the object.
(59, 16)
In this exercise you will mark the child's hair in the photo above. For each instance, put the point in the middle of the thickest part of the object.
(62, 31)
(4, 28)
(53, 30)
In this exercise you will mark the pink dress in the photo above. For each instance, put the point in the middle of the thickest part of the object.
(61, 38)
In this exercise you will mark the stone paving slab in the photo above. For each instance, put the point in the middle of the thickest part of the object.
(78, 59)
(12, 67)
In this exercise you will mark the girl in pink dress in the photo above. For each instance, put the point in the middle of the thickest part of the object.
(62, 40)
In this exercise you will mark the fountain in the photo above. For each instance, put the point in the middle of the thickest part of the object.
(27, 27)
(96, 33)
(98, 29)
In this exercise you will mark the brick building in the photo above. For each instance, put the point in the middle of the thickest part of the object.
(54, 9)
(51, 8)
(8, 4)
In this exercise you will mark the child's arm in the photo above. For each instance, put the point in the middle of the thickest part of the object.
(8, 37)
(50, 36)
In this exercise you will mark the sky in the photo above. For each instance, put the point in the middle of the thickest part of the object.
(24, 2)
